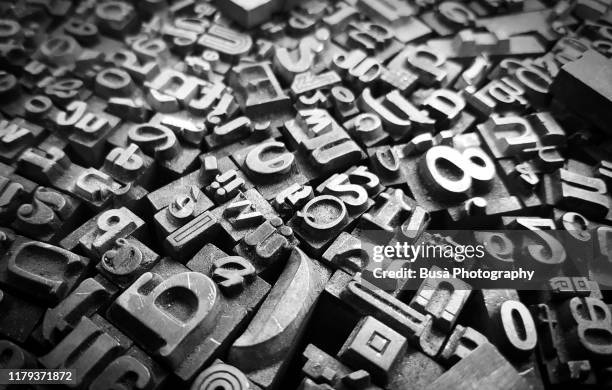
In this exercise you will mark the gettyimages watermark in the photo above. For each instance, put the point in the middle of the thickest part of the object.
(502, 259)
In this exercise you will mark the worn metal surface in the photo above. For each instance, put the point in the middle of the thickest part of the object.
(189, 191)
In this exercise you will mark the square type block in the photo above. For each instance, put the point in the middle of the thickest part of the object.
(374, 347)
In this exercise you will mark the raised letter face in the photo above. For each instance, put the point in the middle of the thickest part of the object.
(174, 312)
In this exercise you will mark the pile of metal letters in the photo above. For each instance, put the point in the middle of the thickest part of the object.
(188, 190)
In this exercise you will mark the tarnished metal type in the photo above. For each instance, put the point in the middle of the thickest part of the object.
(244, 194)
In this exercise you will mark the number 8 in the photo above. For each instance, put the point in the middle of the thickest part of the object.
(451, 173)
